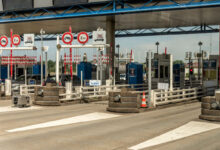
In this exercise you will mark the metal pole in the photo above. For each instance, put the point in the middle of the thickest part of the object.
(42, 32)
(171, 72)
(219, 61)
(202, 69)
(149, 77)
(25, 74)
(0, 70)
(46, 67)
(71, 61)
(190, 81)
(11, 54)
(57, 62)
(81, 73)
(101, 65)
(8, 69)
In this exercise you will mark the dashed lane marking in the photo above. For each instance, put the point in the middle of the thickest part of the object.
(67, 121)
(189, 129)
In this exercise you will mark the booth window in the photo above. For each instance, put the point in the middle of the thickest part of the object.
(166, 72)
(161, 71)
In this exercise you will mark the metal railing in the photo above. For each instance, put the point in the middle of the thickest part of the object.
(27, 89)
(81, 92)
(177, 95)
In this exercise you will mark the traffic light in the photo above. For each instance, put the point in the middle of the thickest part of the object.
(191, 71)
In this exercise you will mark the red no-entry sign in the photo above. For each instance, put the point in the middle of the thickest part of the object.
(4, 41)
(16, 40)
(83, 37)
(67, 38)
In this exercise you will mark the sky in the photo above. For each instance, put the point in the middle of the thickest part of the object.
(176, 45)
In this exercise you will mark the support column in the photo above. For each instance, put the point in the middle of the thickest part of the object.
(57, 61)
(110, 35)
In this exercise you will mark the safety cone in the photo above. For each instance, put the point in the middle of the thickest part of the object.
(144, 104)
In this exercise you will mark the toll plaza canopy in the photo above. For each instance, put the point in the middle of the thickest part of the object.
(88, 15)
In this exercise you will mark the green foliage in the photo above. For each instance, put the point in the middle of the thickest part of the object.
(178, 62)
(51, 66)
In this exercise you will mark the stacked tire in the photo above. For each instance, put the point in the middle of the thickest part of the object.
(210, 109)
(124, 102)
(48, 95)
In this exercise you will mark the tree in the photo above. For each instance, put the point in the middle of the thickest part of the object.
(178, 62)
(51, 66)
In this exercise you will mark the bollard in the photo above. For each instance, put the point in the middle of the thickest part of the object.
(217, 95)
(68, 89)
(8, 87)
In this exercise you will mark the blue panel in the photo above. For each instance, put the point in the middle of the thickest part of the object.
(135, 73)
(37, 69)
(86, 69)
(4, 72)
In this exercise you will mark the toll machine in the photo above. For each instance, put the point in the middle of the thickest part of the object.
(86, 69)
(134, 73)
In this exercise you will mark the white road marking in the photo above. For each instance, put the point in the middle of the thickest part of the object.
(189, 129)
(9, 108)
(67, 121)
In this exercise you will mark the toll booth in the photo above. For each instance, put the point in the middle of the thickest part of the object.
(134, 73)
(178, 75)
(160, 68)
(86, 69)
(210, 71)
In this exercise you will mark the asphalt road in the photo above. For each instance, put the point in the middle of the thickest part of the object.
(118, 132)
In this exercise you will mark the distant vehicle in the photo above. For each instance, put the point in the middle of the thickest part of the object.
(64, 78)
(21, 79)
(123, 77)
(50, 79)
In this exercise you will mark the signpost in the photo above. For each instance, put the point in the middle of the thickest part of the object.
(99, 42)
(94, 82)
(3, 41)
(67, 38)
(99, 37)
(83, 37)
(16, 40)
(28, 39)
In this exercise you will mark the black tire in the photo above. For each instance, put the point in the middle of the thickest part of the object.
(129, 99)
(50, 93)
(123, 105)
(210, 118)
(47, 103)
(47, 98)
(208, 99)
(206, 105)
(210, 112)
(123, 110)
